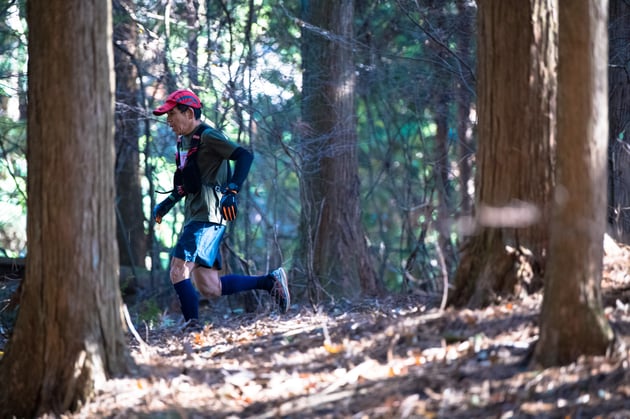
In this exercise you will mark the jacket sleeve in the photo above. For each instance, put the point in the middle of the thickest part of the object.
(242, 163)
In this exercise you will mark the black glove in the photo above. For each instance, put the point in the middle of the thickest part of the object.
(165, 206)
(228, 204)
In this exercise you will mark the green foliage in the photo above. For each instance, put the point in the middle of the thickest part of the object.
(12, 130)
(249, 77)
(410, 67)
(149, 311)
(12, 188)
(13, 47)
(408, 60)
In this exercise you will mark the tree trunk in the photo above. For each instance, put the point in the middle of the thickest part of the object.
(192, 18)
(516, 97)
(333, 253)
(572, 321)
(132, 239)
(464, 100)
(68, 337)
(619, 117)
(441, 157)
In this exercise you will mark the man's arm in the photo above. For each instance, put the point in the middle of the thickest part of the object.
(242, 163)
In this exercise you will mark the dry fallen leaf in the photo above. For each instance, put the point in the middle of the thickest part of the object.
(333, 348)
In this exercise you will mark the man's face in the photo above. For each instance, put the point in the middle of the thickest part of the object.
(181, 123)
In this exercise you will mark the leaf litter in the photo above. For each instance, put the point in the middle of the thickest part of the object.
(397, 357)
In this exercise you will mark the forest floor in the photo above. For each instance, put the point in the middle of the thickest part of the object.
(399, 357)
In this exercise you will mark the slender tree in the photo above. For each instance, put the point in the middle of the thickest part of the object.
(619, 117)
(572, 321)
(68, 334)
(464, 99)
(516, 104)
(132, 238)
(192, 18)
(440, 107)
(332, 252)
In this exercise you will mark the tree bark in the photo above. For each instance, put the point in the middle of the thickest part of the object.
(572, 320)
(516, 104)
(333, 253)
(68, 334)
(192, 18)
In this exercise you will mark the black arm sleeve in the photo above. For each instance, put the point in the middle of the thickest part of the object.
(243, 162)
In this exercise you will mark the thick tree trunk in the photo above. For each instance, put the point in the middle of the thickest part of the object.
(516, 102)
(619, 117)
(68, 337)
(572, 321)
(333, 253)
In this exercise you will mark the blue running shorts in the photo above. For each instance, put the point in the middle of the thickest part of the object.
(199, 242)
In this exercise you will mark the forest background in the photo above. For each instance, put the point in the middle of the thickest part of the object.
(415, 97)
(363, 119)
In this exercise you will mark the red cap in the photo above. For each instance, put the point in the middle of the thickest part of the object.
(184, 97)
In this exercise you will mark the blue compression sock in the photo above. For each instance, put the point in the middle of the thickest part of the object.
(231, 284)
(188, 299)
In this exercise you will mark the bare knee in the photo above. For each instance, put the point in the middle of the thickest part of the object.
(207, 281)
(180, 270)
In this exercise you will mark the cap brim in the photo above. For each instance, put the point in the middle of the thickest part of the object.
(164, 108)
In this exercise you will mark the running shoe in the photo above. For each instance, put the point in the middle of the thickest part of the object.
(280, 290)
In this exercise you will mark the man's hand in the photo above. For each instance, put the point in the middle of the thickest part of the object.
(228, 204)
(164, 207)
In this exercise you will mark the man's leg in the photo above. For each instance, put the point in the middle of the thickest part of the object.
(208, 264)
(207, 281)
(210, 284)
(180, 278)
